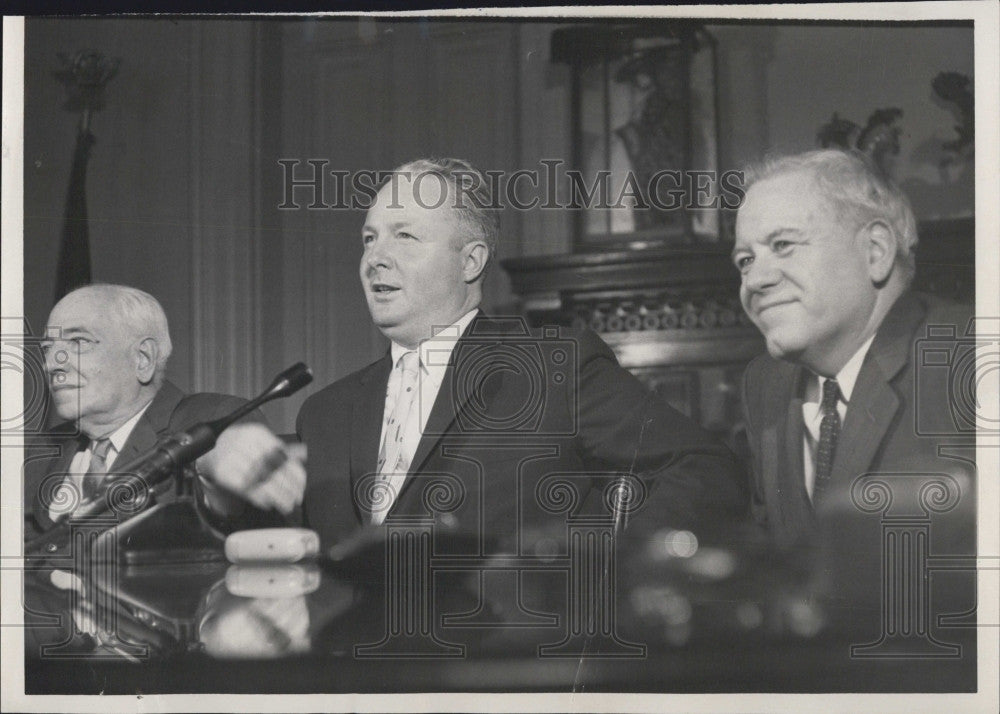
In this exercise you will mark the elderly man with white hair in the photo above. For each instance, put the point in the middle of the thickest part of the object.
(105, 354)
(825, 249)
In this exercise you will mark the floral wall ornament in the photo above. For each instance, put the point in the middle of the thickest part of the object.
(838, 132)
(954, 90)
(85, 74)
(879, 138)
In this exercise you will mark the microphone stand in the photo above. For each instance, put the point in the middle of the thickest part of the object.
(120, 492)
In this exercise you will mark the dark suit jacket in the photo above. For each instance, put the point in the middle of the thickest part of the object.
(897, 420)
(515, 414)
(170, 411)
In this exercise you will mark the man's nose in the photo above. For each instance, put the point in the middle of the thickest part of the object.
(378, 254)
(761, 274)
(56, 358)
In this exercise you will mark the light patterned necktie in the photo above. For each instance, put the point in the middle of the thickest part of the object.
(98, 468)
(394, 457)
(829, 430)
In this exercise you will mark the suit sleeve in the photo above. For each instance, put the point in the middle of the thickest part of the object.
(241, 515)
(691, 480)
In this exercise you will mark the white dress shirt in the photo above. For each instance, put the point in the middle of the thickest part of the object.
(81, 463)
(813, 417)
(435, 354)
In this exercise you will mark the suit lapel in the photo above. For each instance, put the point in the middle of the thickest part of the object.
(792, 449)
(797, 510)
(873, 405)
(59, 467)
(448, 404)
(151, 427)
(153, 424)
(368, 412)
(874, 402)
(140, 441)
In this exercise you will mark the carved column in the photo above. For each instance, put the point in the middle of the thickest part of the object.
(906, 502)
(409, 576)
(592, 600)
(93, 598)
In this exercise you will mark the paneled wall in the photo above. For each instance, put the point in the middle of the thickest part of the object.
(185, 184)
(359, 96)
(139, 185)
(173, 184)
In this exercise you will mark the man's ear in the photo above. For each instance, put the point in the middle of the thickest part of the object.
(147, 352)
(475, 255)
(880, 244)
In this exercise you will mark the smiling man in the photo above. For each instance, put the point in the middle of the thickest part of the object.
(825, 249)
(468, 417)
(105, 358)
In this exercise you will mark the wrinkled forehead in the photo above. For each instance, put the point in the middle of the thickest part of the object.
(785, 200)
(792, 188)
(84, 312)
(421, 201)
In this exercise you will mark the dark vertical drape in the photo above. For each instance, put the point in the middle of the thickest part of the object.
(74, 251)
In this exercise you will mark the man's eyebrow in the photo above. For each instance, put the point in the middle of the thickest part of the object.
(765, 240)
(394, 225)
(779, 232)
(65, 332)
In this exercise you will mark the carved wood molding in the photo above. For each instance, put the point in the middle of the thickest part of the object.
(676, 290)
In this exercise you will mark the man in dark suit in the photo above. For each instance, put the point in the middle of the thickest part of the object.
(105, 356)
(825, 247)
(105, 353)
(477, 420)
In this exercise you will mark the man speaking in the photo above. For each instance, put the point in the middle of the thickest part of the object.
(474, 419)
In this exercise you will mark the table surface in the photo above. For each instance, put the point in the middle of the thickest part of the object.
(713, 617)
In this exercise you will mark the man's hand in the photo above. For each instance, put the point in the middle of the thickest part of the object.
(254, 464)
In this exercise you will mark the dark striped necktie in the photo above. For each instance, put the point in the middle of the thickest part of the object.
(829, 430)
(98, 468)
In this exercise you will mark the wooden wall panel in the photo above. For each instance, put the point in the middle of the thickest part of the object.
(225, 235)
(474, 92)
(334, 109)
(370, 97)
(140, 172)
(545, 122)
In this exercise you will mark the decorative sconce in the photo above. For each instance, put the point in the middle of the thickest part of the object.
(644, 133)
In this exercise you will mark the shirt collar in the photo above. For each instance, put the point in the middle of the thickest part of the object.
(120, 435)
(848, 374)
(435, 352)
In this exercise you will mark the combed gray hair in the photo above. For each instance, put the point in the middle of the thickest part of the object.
(138, 314)
(856, 187)
(472, 199)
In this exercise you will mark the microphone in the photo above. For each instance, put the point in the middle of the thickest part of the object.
(171, 454)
